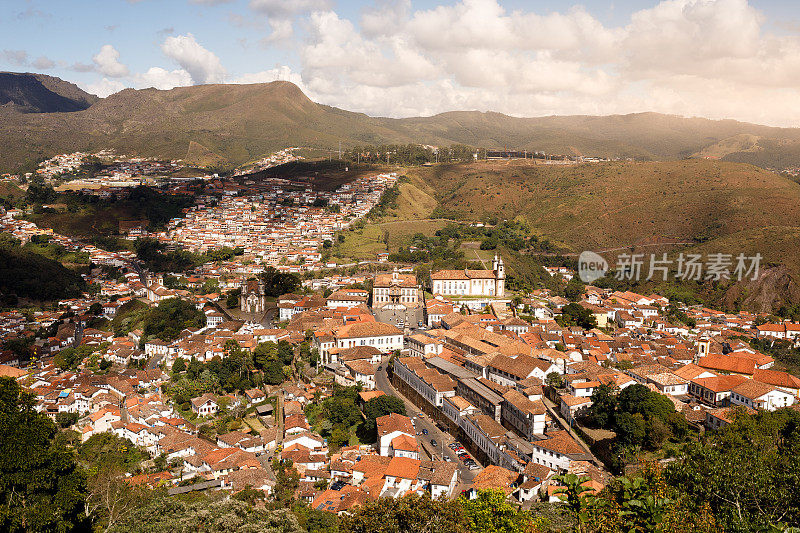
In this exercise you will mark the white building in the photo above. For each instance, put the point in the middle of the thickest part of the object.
(756, 395)
(471, 282)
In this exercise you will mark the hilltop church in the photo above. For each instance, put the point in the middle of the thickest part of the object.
(481, 283)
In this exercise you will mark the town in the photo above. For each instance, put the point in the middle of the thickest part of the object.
(376, 383)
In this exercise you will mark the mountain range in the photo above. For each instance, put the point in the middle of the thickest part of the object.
(229, 125)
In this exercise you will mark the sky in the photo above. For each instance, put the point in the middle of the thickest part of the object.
(735, 59)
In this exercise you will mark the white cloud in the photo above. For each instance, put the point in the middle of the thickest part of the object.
(163, 79)
(202, 65)
(107, 62)
(694, 57)
(104, 87)
(282, 73)
(282, 31)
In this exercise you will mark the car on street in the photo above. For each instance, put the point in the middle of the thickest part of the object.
(380, 368)
(433, 442)
(424, 431)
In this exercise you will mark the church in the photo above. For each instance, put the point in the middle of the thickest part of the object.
(481, 283)
(253, 299)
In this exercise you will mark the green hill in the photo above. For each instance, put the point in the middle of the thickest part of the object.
(232, 124)
(697, 206)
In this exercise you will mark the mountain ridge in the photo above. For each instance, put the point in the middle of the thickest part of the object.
(244, 122)
(28, 92)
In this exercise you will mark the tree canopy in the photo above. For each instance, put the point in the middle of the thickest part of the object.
(277, 283)
(171, 317)
(41, 486)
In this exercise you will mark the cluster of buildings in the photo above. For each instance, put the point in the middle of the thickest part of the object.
(281, 157)
(505, 383)
(276, 221)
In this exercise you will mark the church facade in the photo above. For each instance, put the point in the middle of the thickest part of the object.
(475, 283)
(253, 299)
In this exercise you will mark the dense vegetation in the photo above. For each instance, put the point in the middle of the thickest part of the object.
(158, 258)
(86, 215)
(573, 314)
(42, 487)
(277, 283)
(438, 250)
(339, 420)
(170, 317)
(162, 514)
(641, 418)
(24, 273)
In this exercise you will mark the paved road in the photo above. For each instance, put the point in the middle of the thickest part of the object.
(154, 361)
(442, 438)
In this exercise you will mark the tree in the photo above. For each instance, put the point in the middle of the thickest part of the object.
(630, 428)
(577, 315)
(555, 380)
(376, 408)
(574, 290)
(41, 486)
(249, 495)
(384, 405)
(163, 514)
(746, 473)
(109, 449)
(273, 373)
(179, 366)
(574, 494)
(415, 513)
(491, 512)
(232, 300)
(604, 406)
(287, 481)
(171, 317)
(65, 420)
(111, 498)
(277, 283)
(338, 438)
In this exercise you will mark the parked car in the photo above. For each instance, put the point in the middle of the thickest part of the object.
(433, 442)
(424, 431)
